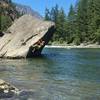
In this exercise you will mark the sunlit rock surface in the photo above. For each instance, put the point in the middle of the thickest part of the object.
(26, 37)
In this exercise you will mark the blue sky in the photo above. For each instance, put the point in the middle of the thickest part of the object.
(40, 5)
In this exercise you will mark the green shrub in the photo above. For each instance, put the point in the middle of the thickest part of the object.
(5, 22)
(77, 40)
(98, 36)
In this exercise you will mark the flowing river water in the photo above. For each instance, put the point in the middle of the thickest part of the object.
(59, 74)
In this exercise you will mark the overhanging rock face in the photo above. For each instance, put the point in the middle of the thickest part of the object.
(26, 37)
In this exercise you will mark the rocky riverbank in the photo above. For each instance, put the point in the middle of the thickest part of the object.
(7, 90)
(73, 46)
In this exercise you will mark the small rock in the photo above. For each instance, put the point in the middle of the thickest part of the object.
(7, 90)
(1, 81)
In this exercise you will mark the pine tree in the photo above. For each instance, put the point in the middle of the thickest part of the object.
(94, 19)
(82, 20)
(47, 14)
(71, 14)
(54, 13)
(71, 27)
(60, 25)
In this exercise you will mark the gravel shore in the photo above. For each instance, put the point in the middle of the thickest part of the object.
(73, 46)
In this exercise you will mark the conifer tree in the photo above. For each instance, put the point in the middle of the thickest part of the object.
(82, 20)
(47, 14)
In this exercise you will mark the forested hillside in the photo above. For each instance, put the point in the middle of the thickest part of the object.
(8, 14)
(9, 11)
(81, 25)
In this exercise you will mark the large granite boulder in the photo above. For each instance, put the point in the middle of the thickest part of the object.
(26, 37)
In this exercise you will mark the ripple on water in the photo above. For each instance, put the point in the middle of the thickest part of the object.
(59, 74)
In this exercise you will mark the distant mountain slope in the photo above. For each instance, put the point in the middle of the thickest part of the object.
(23, 9)
(9, 11)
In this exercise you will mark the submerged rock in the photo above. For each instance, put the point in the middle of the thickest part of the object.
(7, 90)
(26, 37)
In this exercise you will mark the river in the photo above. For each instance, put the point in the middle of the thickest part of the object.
(59, 74)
